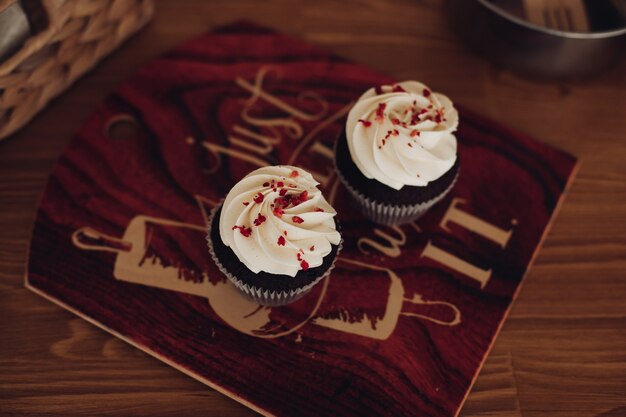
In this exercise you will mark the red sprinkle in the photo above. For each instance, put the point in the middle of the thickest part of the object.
(285, 232)
(395, 132)
(319, 209)
(366, 123)
(258, 198)
(282, 192)
(426, 92)
(282, 202)
(246, 231)
(266, 184)
(245, 203)
(312, 248)
(378, 89)
(280, 184)
(415, 133)
(380, 112)
(410, 145)
(304, 264)
(281, 241)
(278, 212)
(259, 220)
(395, 121)
(398, 89)
(297, 219)
(294, 174)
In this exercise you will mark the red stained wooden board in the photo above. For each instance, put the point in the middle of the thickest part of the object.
(406, 319)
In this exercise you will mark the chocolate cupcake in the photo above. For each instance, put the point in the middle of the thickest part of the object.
(274, 236)
(398, 153)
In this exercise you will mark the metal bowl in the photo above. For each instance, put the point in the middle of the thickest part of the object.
(532, 50)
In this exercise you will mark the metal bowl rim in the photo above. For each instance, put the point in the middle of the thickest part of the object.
(554, 32)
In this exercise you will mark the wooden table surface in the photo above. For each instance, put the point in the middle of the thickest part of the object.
(562, 351)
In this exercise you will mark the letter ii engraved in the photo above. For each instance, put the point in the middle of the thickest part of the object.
(476, 225)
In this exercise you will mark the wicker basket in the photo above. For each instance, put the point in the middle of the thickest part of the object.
(73, 35)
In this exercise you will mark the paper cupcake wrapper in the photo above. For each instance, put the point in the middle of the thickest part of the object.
(389, 214)
(260, 295)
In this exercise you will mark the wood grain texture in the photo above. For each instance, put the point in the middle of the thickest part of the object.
(561, 351)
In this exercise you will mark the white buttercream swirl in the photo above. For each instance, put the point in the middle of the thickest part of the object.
(278, 234)
(381, 132)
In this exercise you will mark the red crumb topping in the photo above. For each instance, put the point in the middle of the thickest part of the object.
(285, 232)
(398, 89)
(258, 198)
(415, 133)
(294, 174)
(378, 89)
(281, 241)
(410, 145)
(304, 264)
(299, 255)
(395, 121)
(246, 231)
(297, 219)
(259, 220)
(319, 209)
(380, 112)
(395, 132)
(266, 184)
(280, 184)
(288, 200)
(366, 123)
(426, 92)
(245, 203)
(312, 248)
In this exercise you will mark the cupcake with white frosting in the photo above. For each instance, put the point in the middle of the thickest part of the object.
(274, 236)
(398, 154)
